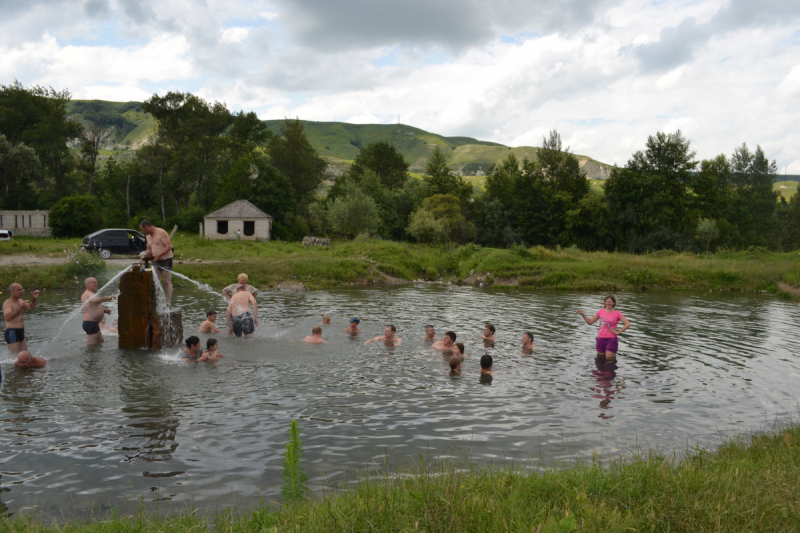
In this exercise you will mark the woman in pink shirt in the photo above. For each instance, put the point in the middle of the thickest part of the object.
(607, 343)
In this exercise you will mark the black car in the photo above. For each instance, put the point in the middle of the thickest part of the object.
(114, 241)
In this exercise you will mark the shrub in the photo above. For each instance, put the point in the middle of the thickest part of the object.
(75, 216)
(188, 220)
(424, 227)
(295, 481)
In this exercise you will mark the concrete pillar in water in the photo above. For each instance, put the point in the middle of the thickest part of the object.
(140, 325)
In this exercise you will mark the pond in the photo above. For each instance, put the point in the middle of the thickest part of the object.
(107, 427)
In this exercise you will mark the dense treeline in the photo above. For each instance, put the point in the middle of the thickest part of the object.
(201, 157)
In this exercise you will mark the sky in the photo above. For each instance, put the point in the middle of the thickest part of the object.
(605, 73)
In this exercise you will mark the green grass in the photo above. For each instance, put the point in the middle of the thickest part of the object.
(370, 262)
(747, 484)
(786, 188)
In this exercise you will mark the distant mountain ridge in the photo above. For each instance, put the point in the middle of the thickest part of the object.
(337, 142)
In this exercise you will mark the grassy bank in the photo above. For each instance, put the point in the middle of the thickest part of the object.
(743, 486)
(373, 262)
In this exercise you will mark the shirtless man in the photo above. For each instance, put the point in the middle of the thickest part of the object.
(315, 337)
(326, 320)
(26, 360)
(209, 324)
(388, 338)
(238, 316)
(488, 335)
(13, 310)
(445, 344)
(353, 328)
(160, 247)
(486, 364)
(527, 343)
(93, 312)
(430, 333)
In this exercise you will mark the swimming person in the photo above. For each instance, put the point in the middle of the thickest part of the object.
(192, 353)
(446, 343)
(353, 328)
(26, 360)
(488, 334)
(233, 288)
(326, 320)
(527, 343)
(486, 364)
(209, 324)
(160, 247)
(315, 337)
(13, 311)
(455, 365)
(607, 343)
(458, 350)
(240, 320)
(389, 339)
(430, 333)
(211, 354)
(93, 312)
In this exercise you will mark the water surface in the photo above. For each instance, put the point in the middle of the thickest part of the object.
(102, 427)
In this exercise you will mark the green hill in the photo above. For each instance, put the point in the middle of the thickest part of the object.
(337, 142)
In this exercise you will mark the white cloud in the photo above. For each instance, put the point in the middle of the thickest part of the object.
(269, 15)
(234, 35)
(366, 117)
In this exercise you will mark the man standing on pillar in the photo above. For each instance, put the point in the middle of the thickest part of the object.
(160, 248)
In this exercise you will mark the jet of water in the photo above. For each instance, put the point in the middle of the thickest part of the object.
(202, 286)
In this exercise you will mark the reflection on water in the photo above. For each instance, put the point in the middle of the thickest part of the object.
(104, 426)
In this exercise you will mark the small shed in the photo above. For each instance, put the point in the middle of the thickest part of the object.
(238, 220)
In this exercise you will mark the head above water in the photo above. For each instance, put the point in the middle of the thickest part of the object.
(355, 321)
(211, 313)
(242, 278)
(488, 327)
(15, 289)
(486, 362)
(90, 284)
(211, 343)
(451, 335)
(192, 341)
(459, 348)
(316, 330)
(241, 288)
(326, 319)
(527, 337)
(24, 358)
(610, 297)
(390, 330)
(455, 363)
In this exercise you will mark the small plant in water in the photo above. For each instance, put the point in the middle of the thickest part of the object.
(295, 481)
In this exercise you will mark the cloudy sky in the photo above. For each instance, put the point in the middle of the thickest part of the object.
(604, 73)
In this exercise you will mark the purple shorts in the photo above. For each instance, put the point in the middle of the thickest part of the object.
(607, 344)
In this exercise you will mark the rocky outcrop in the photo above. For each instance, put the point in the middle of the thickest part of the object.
(315, 241)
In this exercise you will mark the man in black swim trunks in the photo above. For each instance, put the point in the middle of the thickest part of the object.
(192, 353)
(159, 247)
(93, 312)
(13, 310)
(239, 317)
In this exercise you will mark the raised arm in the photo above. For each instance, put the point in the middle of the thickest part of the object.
(34, 298)
(586, 318)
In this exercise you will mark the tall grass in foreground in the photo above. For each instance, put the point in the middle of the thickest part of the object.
(295, 481)
(745, 485)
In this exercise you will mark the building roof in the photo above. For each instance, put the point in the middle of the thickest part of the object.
(238, 209)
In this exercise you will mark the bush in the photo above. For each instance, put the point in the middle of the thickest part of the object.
(75, 216)
(81, 265)
(424, 227)
(187, 221)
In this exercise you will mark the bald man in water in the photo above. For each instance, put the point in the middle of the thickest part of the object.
(13, 310)
(26, 360)
(93, 312)
(238, 316)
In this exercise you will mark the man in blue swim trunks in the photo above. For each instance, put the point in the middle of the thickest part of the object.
(13, 310)
(93, 312)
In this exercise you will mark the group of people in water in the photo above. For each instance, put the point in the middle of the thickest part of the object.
(241, 316)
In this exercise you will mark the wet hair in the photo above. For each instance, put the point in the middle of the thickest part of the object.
(355, 321)
(460, 347)
(210, 312)
(454, 362)
(145, 224)
(316, 330)
(611, 296)
(191, 341)
(452, 335)
(486, 362)
(394, 329)
(491, 327)
(241, 288)
(325, 316)
(529, 334)
(210, 343)
(429, 326)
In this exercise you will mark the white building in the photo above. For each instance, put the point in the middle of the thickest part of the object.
(238, 220)
(26, 222)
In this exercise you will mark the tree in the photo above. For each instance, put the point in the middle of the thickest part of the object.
(295, 158)
(385, 161)
(424, 227)
(18, 167)
(441, 181)
(353, 214)
(754, 176)
(90, 148)
(75, 216)
(707, 231)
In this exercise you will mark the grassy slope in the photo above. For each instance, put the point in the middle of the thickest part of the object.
(349, 262)
(742, 486)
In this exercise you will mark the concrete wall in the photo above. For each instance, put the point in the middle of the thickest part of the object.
(263, 229)
(26, 222)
